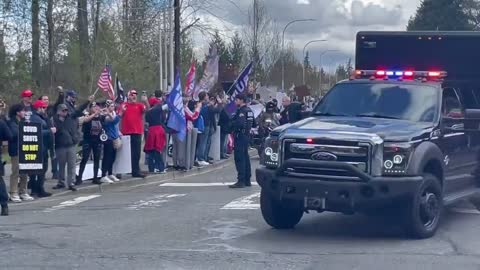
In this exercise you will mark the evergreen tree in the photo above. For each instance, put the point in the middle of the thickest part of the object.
(222, 50)
(236, 51)
(442, 15)
(306, 60)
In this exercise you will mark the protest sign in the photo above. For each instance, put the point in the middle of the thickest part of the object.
(30, 148)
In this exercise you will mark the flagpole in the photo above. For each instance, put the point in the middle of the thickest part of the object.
(160, 59)
(165, 48)
(172, 47)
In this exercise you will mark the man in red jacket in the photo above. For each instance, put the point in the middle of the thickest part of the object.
(132, 125)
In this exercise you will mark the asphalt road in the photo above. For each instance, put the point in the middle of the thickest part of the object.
(197, 223)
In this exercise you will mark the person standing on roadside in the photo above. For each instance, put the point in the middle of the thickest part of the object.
(156, 137)
(242, 123)
(132, 113)
(39, 115)
(110, 146)
(66, 112)
(51, 142)
(18, 182)
(225, 130)
(66, 139)
(91, 129)
(187, 149)
(5, 135)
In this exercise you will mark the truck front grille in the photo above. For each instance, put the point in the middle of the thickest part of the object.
(354, 153)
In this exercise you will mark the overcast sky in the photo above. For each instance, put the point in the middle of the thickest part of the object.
(336, 20)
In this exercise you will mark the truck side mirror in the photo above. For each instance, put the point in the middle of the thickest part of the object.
(472, 119)
(472, 114)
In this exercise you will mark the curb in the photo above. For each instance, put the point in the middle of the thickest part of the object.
(154, 178)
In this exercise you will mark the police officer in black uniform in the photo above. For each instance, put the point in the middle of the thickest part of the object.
(242, 122)
(5, 135)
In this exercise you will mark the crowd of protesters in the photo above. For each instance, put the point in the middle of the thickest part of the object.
(97, 127)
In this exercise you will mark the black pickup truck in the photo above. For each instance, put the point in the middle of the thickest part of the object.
(393, 137)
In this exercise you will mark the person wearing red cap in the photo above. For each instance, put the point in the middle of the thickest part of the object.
(39, 115)
(132, 125)
(27, 98)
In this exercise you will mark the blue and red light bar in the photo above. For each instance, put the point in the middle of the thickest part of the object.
(401, 74)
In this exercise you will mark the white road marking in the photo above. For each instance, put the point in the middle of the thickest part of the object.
(73, 202)
(244, 203)
(153, 202)
(214, 184)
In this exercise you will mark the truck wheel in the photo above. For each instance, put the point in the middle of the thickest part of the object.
(280, 214)
(423, 213)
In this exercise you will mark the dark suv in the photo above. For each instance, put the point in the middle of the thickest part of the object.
(376, 143)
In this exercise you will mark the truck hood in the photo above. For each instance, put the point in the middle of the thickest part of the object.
(387, 129)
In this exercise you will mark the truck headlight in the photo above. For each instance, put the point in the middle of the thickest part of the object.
(396, 157)
(270, 154)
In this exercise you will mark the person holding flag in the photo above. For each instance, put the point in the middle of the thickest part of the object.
(177, 120)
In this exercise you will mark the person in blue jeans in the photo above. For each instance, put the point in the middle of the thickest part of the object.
(210, 107)
(110, 125)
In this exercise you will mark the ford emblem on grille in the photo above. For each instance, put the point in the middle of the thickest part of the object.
(324, 156)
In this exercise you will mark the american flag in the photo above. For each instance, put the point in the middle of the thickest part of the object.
(190, 84)
(105, 82)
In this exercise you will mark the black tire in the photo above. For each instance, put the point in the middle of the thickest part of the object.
(280, 215)
(424, 211)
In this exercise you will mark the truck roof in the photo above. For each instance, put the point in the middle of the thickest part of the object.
(457, 53)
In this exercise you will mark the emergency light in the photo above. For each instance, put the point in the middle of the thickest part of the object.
(399, 74)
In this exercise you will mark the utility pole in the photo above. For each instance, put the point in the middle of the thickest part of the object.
(176, 7)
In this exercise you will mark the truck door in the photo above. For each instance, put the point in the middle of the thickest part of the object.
(455, 142)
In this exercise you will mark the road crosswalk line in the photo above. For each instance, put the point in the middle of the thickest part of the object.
(68, 203)
(154, 201)
(213, 184)
(249, 202)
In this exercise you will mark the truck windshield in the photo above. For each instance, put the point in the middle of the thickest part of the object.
(418, 103)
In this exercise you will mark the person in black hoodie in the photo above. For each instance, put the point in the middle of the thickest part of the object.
(18, 182)
(5, 135)
(225, 130)
(39, 115)
(51, 143)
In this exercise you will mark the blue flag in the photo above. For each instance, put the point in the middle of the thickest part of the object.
(177, 120)
(238, 87)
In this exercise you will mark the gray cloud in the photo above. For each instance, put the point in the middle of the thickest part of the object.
(336, 20)
(373, 14)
